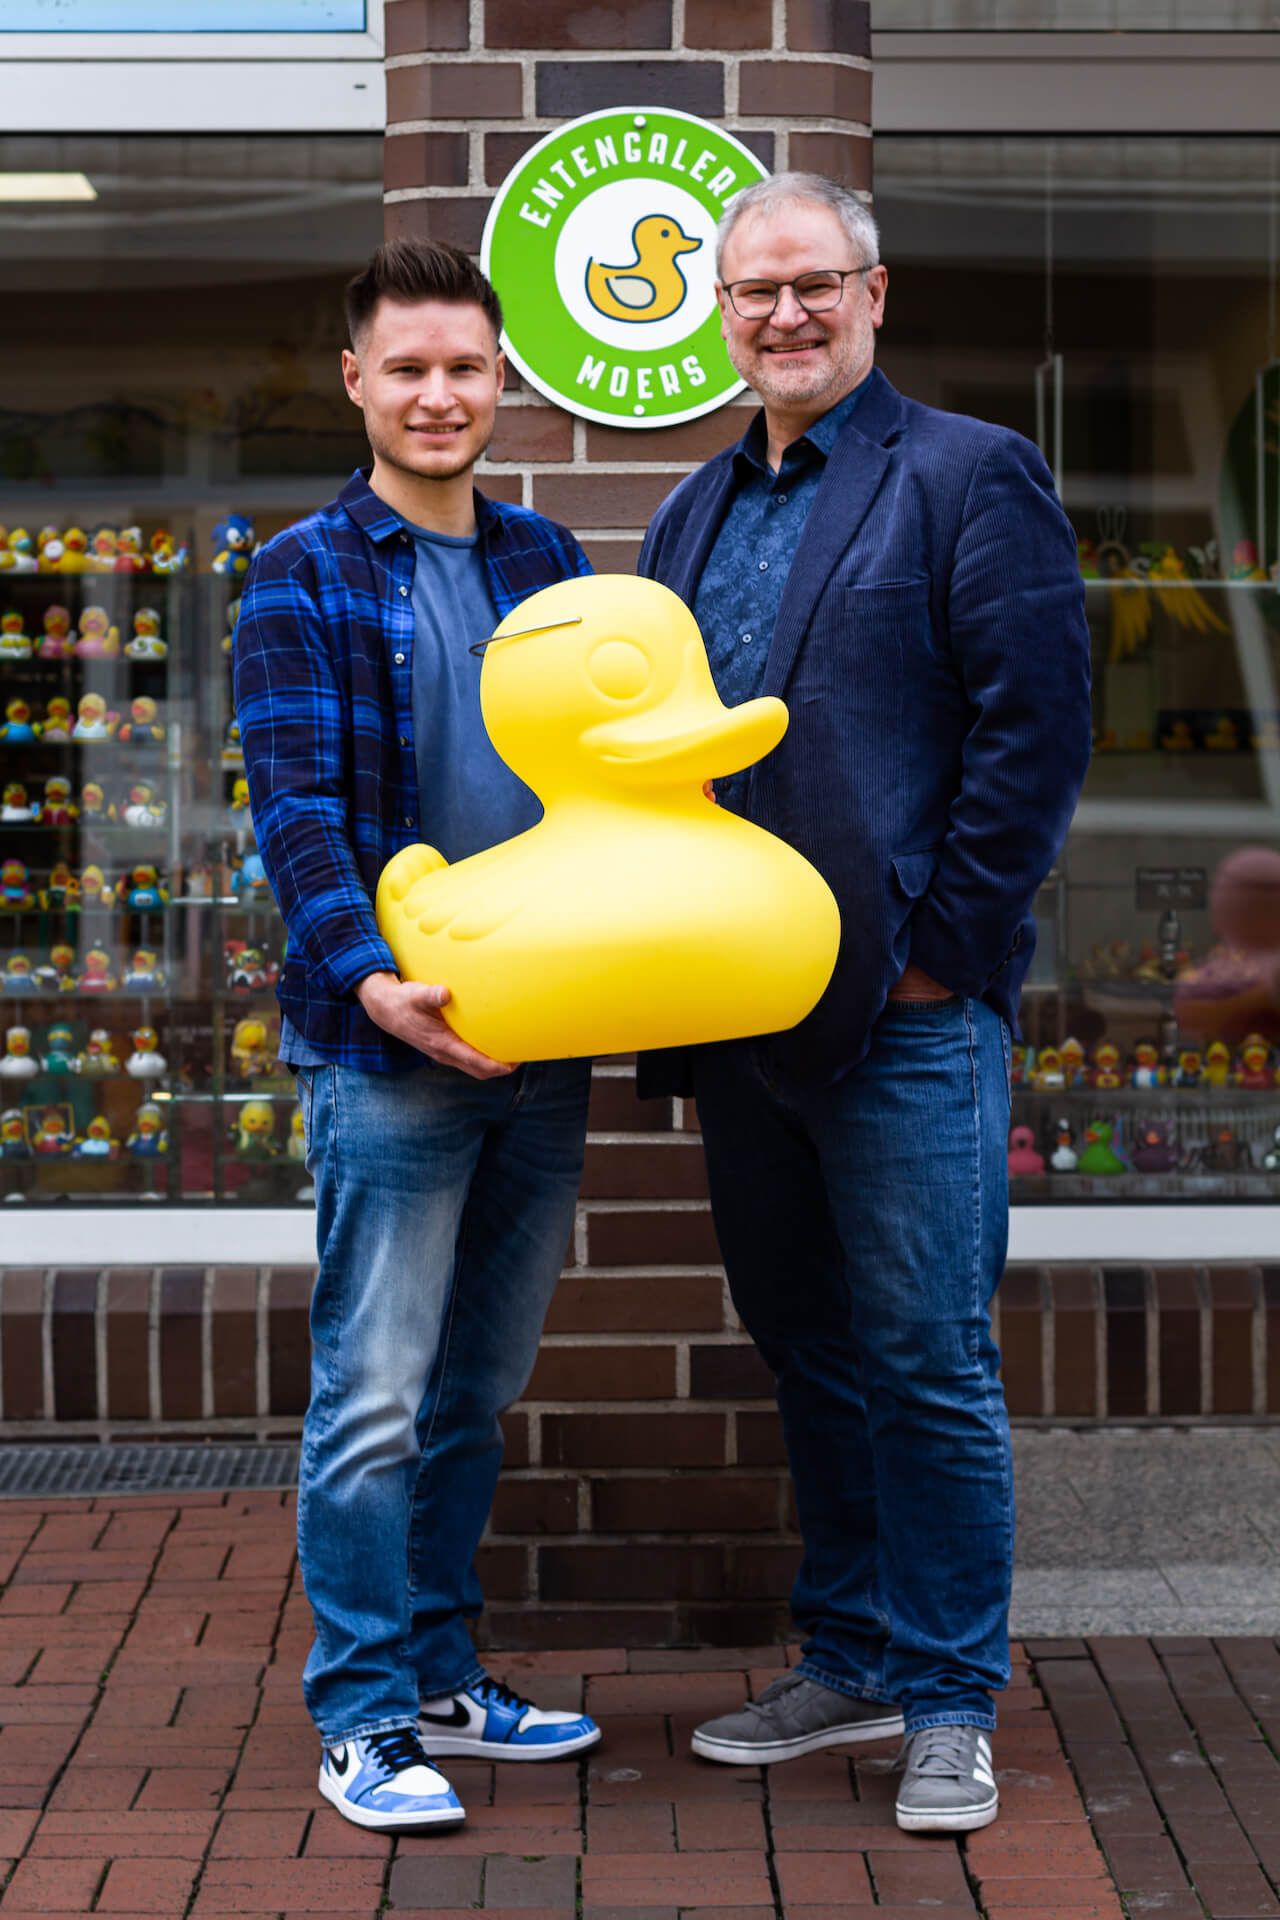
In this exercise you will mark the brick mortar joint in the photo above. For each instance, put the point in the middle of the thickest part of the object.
(526, 57)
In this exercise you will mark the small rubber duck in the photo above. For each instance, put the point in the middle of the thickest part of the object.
(166, 555)
(94, 720)
(15, 642)
(652, 286)
(57, 973)
(149, 1139)
(129, 554)
(1179, 738)
(18, 728)
(13, 1135)
(53, 1134)
(1071, 1053)
(57, 808)
(232, 751)
(102, 551)
(142, 808)
(1252, 1068)
(99, 640)
(1223, 1153)
(232, 615)
(95, 889)
(249, 881)
(147, 642)
(238, 814)
(17, 1061)
(1022, 1061)
(143, 722)
(247, 969)
(16, 807)
(1087, 556)
(60, 893)
(18, 554)
(59, 1050)
(1223, 736)
(253, 1133)
(1049, 1075)
(95, 809)
(296, 1145)
(1145, 1069)
(1157, 1149)
(50, 549)
(74, 557)
(16, 894)
(95, 975)
(57, 728)
(97, 1141)
(144, 974)
(1105, 1071)
(233, 545)
(145, 893)
(1023, 1158)
(252, 1055)
(1244, 562)
(146, 1062)
(97, 1059)
(598, 694)
(1098, 1155)
(56, 643)
(18, 977)
(1063, 1157)
(1217, 1064)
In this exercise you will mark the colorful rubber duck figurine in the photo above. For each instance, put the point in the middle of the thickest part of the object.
(18, 554)
(232, 751)
(143, 722)
(247, 969)
(58, 971)
(95, 888)
(60, 892)
(1063, 1159)
(95, 975)
(56, 643)
(249, 882)
(99, 640)
(144, 891)
(146, 1062)
(1071, 1053)
(130, 557)
(15, 805)
(597, 693)
(1217, 1064)
(232, 615)
(57, 728)
(1244, 562)
(1087, 555)
(149, 1139)
(18, 1061)
(142, 808)
(254, 1131)
(1179, 738)
(252, 1055)
(94, 720)
(1223, 1153)
(18, 728)
(296, 1145)
(75, 551)
(49, 548)
(1157, 1149)
(102, 551)
(1223, 736)
(1145, 1069)
(1022, 1061)
(1252, 1068)
(233, 545)
(1049, 1076)
(147, 643)
(53, 1134)
(1023, 1158)
(1105, 1072)
(144, 974)
(59, 1050)
(238, 814)
(13, 1135)
(652, 286)
(1098, 1155)
(18, 977)
(57, 808)
(15, 642)
(95, 809)
(97, 1141)
(16, 892)
(97, 1059)
(166, 555)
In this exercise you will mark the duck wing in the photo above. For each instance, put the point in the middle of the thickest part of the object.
(631, 289)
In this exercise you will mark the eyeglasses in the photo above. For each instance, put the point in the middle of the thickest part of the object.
(816, 292)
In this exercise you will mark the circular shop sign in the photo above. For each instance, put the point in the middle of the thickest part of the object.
(601, 243)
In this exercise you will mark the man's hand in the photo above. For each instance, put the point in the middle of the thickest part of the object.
(916, 984)
(409, 1011)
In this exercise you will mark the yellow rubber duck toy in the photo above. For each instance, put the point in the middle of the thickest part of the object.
(653, 285)
(636, 913)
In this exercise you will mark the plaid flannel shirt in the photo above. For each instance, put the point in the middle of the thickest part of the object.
(323, 695)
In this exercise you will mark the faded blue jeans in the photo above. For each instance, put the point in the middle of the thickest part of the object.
(864, 1229)
(444, 1212)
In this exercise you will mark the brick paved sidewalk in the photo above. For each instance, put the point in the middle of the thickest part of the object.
(155, 1759)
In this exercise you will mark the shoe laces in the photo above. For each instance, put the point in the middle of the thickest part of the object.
(937, 1752)
(494, 1694)
(398, 1749)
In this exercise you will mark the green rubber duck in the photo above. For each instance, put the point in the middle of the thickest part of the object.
(1098, 1155)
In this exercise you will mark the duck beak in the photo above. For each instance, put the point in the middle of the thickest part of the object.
(692, 734)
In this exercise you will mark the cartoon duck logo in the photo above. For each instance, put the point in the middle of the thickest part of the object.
(652, 286)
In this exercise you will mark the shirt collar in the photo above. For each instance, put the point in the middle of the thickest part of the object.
(380, 522)
(753, 448)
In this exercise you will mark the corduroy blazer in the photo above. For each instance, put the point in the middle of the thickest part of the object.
(932, 650)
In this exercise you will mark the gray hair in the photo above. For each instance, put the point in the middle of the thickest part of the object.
(782, 189)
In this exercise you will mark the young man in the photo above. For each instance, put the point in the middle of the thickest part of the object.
(907, 581)
(445, 1181)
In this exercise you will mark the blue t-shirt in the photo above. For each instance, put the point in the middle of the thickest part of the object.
(468, 798)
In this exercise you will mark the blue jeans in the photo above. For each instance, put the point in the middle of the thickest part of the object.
(864, 1230)
(444, 1211)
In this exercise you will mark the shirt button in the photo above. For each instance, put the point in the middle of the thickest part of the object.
(404, 593)
(408, 819)
(764, 566)
(782, 499)
(404, 539)
(399, 659)
(746, 636)
(404, 739)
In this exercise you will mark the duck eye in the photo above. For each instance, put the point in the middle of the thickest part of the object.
(619, 669)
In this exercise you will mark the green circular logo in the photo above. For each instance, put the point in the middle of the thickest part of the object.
(601, 243)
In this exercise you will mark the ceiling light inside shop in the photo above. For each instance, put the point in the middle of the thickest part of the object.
(47, 186)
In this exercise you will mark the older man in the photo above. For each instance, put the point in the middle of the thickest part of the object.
(907, 581)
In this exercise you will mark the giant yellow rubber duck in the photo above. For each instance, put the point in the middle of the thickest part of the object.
(653, 285)
(636, 913)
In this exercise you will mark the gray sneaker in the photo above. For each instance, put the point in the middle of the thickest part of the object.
(793, 1715)
(948, 1786)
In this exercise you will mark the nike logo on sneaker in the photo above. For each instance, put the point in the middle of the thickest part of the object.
(458, 1718)
(339, 1766)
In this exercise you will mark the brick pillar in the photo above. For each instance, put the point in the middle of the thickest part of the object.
(466, 98)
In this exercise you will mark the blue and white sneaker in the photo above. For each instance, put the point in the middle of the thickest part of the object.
(384, 1781)
(490, 1722)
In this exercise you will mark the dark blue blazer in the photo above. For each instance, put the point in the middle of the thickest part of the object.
(931, 647)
